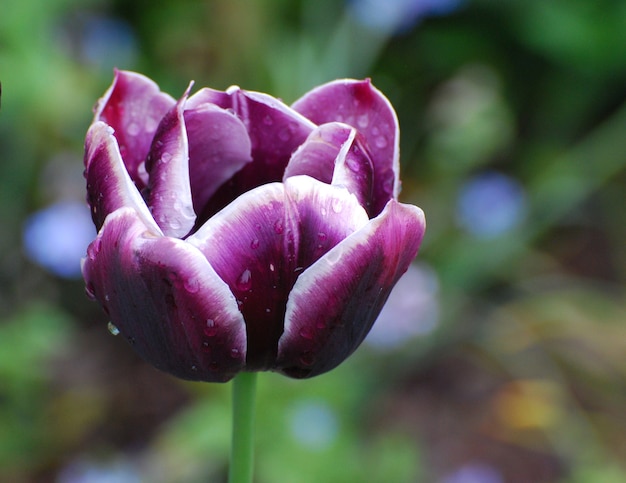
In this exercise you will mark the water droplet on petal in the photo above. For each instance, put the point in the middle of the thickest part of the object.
(322, 236)
(192, 285)
(337, 205)
(244, 282)
(362, 121)
(272, 268)
(166, 157)
(306, 333)
(268, 121)
(380, 142)
(279, 227)
(113, 329)
(133, 129)
(210, 330)
(306, 358)
(234, 353)
(254, 244)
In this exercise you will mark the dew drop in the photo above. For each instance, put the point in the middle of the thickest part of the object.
(306, 333)
(133, 129)
(323, 211)
(268, 310)
(254, 244)
(337, 205)
(321, 236)
(380, 142)
(362, 121)
(272, 268)
(244, 282)
(306, 358)
(210, 330)
(206, 348)
(194, 367)
(284, 134)
(192, 285)
(268, 121)
(166, 157)
(107, 298)
(234, 353)
(279, 227)
(113, 329)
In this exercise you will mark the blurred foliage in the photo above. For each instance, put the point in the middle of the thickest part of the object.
(523, 377)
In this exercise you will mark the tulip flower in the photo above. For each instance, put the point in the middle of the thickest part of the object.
(236, 233)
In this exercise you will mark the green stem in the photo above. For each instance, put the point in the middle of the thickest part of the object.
(242, 449)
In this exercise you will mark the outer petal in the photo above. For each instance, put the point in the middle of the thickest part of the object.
(267, 238)
(133, 106)
(219, 146)
(109, 186)
(167, 165)
(275, 132)
(361, 105)
(335, 302)
(165, 298)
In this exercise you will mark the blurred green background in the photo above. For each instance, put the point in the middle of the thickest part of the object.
(501, 356)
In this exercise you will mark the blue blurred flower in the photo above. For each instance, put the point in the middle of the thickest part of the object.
(314, 424)
(411, 310)
(100, 41)
(491, 204)
(398, 15)
(84, 471)
(57, 237)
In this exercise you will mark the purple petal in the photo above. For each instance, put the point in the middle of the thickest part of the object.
(167, 165)
(268, 237)
(334, 153)
(335, 302)
(133, 106)
(275, 132)
(166, 300)
(364, 107)
(316, 156)
(219, 146)
(109, 186)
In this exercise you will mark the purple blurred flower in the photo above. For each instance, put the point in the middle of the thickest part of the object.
(237, 233)
(57, 236)
(412, 309)
(490, 204)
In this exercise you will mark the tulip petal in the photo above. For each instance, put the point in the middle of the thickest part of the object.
(364, 107)
(335, 154)
(267, 238)
(275, 132)
(316, 156)
(334, 303)
(219, 146)
(133, 106)
(109, 186)
(167, 165)
(166, 300)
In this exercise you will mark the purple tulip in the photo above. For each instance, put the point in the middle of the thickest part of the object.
(237, 233)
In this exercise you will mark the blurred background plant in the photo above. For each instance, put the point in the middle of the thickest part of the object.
(501, 356)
